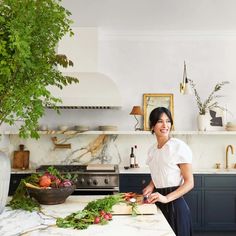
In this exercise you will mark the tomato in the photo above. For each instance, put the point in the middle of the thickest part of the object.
(44, 181)
(96, 220)
(127, 196)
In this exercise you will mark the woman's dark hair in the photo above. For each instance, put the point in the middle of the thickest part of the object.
(155, 115)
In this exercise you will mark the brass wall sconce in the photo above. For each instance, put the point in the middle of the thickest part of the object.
(185, 86)
(136, 111)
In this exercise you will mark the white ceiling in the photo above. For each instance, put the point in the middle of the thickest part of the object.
(215, 15)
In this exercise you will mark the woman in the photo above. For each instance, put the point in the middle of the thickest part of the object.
(169, 161)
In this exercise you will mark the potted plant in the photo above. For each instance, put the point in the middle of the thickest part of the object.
(29, 33)
(210, 103)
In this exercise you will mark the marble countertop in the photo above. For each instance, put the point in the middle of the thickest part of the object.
(145, 170)
(19, 222)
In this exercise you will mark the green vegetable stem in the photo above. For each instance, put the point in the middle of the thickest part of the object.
(89, 215)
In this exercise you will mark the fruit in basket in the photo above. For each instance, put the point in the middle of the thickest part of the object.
(52, 178)
(51, 196)
(44, 181)
(50, 187)
(53, 187)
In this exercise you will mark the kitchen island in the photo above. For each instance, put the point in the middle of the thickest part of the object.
(19, 222)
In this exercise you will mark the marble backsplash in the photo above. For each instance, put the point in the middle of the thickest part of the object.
(115, 148)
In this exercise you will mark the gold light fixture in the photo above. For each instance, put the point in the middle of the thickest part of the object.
(185, 86)
(136, 111)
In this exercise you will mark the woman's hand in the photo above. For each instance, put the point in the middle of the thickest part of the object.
(157, 197)
(148, 189)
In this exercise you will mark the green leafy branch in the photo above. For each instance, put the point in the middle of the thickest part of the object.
(83, 218)
(205, 106)
(29, 34)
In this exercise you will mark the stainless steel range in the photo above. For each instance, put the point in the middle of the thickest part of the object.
(91, 178)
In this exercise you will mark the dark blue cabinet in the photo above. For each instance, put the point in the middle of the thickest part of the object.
(212, 201)
(194, 200)
(134, 182)
(15, 181)
(219, 208)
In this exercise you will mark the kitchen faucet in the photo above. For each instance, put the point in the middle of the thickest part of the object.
(226, 155)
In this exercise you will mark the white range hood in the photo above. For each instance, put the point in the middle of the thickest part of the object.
(94, 91)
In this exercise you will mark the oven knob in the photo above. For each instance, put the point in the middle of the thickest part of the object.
(106, 181)
(89, 181)
(95, 182)
(81, 181)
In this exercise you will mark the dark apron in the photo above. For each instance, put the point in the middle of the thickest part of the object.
(177, 213)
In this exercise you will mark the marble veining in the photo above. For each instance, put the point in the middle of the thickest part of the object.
(97, 150)
(19, 222)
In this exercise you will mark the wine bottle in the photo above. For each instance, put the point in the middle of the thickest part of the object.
(132, 158)
(136, 156)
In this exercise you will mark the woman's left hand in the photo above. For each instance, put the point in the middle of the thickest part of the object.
(157, 197)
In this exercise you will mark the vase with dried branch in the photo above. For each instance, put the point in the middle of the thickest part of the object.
(205, 106)
(210, 102)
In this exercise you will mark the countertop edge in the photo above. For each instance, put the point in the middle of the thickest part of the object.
(144, 170)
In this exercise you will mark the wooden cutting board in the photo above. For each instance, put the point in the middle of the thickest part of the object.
(21, 158)
(142, 209)
(100, 167)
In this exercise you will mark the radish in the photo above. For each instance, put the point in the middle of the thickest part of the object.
(109, 215)
(102, 213)
(96, 220)
(106, 217)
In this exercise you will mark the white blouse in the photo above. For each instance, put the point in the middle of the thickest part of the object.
(163, 163)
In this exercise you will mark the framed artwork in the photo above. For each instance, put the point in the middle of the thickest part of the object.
(217, 119)
(154, 100)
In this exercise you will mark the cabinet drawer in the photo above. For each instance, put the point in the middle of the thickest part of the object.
(134, 182)
(220, 181)
(135, 179)
(219, 209)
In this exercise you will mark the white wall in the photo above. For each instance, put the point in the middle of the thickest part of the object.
(152, 62)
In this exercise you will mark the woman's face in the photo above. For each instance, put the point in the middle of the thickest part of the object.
(163, 126)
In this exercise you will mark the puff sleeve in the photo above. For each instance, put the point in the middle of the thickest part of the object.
(183, 153)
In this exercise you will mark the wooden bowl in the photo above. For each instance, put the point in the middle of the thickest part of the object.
(51, 196)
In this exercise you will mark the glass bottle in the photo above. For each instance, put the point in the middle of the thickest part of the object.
(132, 158)
(136, 156)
